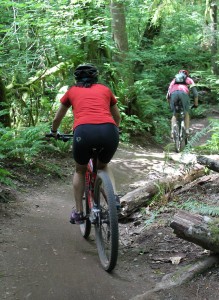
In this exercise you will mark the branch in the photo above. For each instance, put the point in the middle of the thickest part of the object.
(42, 75)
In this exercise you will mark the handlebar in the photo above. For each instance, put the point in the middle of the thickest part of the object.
(60, 136)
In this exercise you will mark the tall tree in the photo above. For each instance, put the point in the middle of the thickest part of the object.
(4, 109)
(211, 21)
(120, 38)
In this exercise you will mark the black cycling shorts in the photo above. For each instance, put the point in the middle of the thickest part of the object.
(88, 136)
(179, 95)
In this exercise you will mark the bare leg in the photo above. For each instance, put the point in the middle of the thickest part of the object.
(79, 185)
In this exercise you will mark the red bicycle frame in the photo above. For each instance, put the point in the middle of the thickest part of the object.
(90, 178)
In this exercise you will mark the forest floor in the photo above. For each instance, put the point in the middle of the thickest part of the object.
(149, 249)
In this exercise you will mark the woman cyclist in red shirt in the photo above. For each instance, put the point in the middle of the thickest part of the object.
(96, 122)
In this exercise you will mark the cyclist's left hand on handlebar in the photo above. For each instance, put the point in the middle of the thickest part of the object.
(54, 133)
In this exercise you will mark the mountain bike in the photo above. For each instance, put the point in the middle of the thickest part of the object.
(99, 210)
(180, 136)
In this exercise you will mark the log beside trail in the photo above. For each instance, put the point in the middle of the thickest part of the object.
(209, 163)
(201, 230)
(142, 196)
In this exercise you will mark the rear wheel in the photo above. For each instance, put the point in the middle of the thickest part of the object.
(106, 227)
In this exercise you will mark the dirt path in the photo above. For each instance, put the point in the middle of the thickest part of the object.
(42, 256)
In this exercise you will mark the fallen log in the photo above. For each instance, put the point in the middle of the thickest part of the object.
(209, 163)
(201, 230)
(142, 196)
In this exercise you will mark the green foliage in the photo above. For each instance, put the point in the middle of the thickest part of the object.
(36, 36)
(153, 109)
(5, 177)
(60, 146)
(23, 144)
(199, 207)
(212, 144)
(195, 139)
(131, 125)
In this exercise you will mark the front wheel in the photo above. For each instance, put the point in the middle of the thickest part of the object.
(106, 226)
(184, 137)
(176, 138)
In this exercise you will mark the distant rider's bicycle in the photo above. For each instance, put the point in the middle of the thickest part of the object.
(180, 137)
(99, 210)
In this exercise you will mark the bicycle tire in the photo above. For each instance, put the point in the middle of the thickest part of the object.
(184, 138)
(176, 138)
(106, 226)
(86, 226)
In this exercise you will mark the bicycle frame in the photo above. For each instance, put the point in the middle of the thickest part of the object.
(90, 177)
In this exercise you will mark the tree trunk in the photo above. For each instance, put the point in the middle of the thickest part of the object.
(120, 37)
(5, 118)
(209, 163)
(200, 230)
(211, 17)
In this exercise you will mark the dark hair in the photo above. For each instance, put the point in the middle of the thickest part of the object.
(86, 75)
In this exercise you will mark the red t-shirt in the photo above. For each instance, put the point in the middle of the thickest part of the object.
(90, 105)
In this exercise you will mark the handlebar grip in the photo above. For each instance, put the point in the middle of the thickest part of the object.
(59, 136)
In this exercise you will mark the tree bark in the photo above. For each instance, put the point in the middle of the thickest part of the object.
(120, 37)
(201, 230)
(211, 22)
(209, 163)
(5, 118)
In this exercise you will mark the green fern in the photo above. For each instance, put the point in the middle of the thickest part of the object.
(23, 144)
(200, 208)
(5, 177)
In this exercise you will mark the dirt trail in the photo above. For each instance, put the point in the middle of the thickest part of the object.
(43, 256)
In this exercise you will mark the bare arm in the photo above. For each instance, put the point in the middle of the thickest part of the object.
(59, 116)
(116, 114)
(195, 94)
